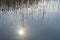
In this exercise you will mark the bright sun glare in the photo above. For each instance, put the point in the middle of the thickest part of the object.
(21, 31)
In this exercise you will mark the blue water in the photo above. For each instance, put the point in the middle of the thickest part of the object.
(37, 25)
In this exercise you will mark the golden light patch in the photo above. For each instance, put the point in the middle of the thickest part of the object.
(21, 31)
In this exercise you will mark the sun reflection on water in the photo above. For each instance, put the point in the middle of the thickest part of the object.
(21, 31)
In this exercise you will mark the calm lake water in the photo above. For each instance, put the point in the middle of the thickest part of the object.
(41, 22)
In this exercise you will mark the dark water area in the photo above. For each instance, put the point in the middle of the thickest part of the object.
(38, 21)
